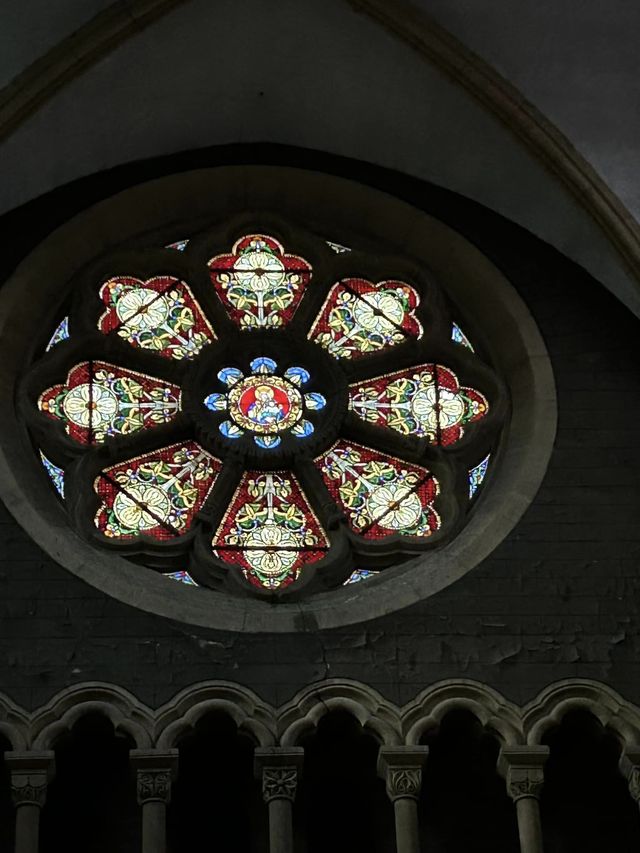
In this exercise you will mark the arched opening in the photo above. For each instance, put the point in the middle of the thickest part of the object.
(91, 802)
(464, 806)
(6, 806)
(585, 802)
(216, 801)
(342, 804)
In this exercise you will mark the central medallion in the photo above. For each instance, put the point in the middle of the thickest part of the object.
(265, 404)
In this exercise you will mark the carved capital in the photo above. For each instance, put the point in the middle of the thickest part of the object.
(30, 775)
(279, 783)
(155, 771)
(630, 769)
(401, 768)
(523, 770)
(279, 769)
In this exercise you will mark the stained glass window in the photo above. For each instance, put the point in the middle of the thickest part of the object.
(259, 283)
(56, 474)
(459, 337)
(159, 314)
(270, 530)
(264, 421)
(100, 400)
(360, 317)
(360, 575)
(477, 475)
(61, 333)
(425, 401)
(182, 577)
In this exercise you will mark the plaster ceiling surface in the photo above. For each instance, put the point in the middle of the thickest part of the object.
(576, 60)
(312, 73)
(32, 27)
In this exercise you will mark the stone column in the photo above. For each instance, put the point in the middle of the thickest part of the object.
(155, 770)
(30, 774)
(279, 769)
(401, 768)
(523, 770)
(630, 768)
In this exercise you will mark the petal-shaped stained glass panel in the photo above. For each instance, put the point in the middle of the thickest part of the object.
(100, 399)
(426, 401)
(157, 494)
(159, 314)
(259, 283)
(269, 531)
(379, 494)
(360, 317)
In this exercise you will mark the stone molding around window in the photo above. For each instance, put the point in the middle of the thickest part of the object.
(328, 206)
(515, 727)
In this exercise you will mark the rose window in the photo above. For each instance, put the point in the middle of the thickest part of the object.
(265, 414)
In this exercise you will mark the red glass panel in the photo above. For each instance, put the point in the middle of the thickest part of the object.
(379, 494)
(269, 531)
(259, 284)
(360, 317)
(100, 399)
(159, 314)
(426, 401)
(157, 494)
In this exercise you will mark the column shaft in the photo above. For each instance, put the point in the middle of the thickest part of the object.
(280, 826)
(406, 813)
(27, 828)
(153, 827)
(529, 826)
(155, 770)
(279, 768)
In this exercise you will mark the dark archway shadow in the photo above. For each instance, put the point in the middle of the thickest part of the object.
(585, 802)
(464, 806)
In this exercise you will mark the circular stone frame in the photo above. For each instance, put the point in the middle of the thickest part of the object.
(178, 205)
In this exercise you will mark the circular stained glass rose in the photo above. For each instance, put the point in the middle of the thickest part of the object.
(264, 418)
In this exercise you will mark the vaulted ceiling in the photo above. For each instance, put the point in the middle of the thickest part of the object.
(530, 109)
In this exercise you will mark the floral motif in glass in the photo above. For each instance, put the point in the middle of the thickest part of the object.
(380, 494)
(426, 401)
(359, 317)
(100, 399)
(157, 494)
(269, 530)
(259, 284)
(159, 314)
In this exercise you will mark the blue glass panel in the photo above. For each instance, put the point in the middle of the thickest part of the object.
(297, 375)
(302, 429)
(263, 365)
(459, 337)
(314, 401)
(230, 375)
(61, 333)
(183, 577)
(230, 430)
(360, 575)
(56, 474)
(477, 475)
(216, 402)
(267, 441)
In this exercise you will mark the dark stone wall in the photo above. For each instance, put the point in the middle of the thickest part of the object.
(558, 598)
